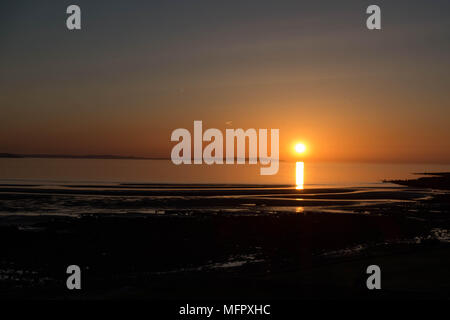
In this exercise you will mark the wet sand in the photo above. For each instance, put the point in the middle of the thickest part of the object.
(227, 241)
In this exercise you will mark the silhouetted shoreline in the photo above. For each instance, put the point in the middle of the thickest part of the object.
(71, 156)
(94, 156)
(436, 180)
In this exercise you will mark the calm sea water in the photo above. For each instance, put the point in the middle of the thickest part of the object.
(54, 171)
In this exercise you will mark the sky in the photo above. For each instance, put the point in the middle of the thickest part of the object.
(137, 70)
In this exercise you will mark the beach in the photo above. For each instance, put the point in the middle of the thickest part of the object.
(223, 241)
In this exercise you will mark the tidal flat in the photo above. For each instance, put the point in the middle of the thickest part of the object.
(156, 241)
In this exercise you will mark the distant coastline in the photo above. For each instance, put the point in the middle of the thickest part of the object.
(71, 156)
(88, 156)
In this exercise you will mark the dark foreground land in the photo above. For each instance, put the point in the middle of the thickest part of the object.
(239, 249)
(439, 180)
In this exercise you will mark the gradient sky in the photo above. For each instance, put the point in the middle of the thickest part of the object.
(139, 69)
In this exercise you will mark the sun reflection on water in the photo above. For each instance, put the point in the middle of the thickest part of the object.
(299, 175)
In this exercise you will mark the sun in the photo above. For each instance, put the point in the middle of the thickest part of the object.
(300, 148)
